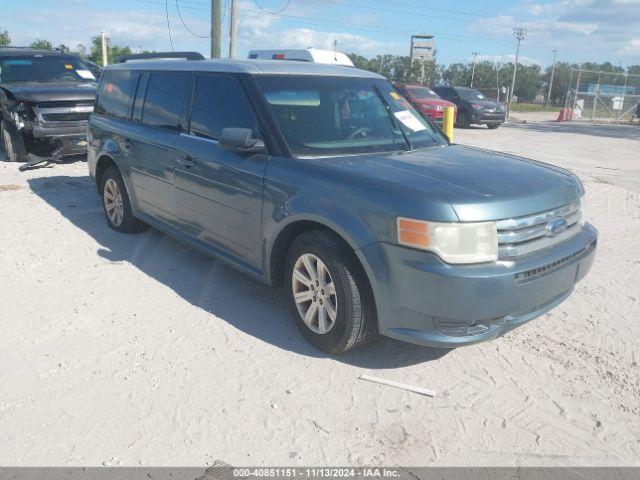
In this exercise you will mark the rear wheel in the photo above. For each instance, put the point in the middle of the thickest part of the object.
(13, 143)
(493, 126)
(116, 204)
(329, 296)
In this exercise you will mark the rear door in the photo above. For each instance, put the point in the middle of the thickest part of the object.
(219, 192)
(159, 116)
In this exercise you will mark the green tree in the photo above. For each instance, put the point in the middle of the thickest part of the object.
(561, 80)
(633, 70)
(457, 74)
(5, 39)
(42, 45)
(113, 51)
(63, 48)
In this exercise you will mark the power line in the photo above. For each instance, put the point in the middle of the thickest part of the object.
(439, 17)
(363, 27)
(166, 9)
(274, 12)
(185, 25)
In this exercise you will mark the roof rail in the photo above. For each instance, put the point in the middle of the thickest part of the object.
(159, 56)
(13, 47)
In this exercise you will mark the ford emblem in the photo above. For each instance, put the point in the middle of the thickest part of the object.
(556, 227)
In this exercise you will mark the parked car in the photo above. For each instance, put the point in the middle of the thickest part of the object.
(424, 100)
(473, 107)
(323, 180)
(313, 55)
(46, 97)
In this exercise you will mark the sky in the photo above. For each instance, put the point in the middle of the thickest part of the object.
(579, 30)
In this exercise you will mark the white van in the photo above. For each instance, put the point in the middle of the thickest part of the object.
(313, 55)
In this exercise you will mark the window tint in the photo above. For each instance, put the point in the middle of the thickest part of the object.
(115, 93)
(220, 102)
(164, 104)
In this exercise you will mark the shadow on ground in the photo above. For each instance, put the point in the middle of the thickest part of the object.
(245, 303)
(629, 132)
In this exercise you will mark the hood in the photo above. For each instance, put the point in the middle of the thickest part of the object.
(37, 92)
(479, 185)
(434, 102)
(486, 103)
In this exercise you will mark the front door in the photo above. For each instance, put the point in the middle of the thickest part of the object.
(219, 192)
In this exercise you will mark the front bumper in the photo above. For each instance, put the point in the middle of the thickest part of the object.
(487, 117)
(59, 129)
(422, 300)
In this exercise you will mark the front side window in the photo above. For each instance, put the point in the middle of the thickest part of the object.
(166, 100)
(220, 102)
(344, 115)
(44, 68)
(115, 92)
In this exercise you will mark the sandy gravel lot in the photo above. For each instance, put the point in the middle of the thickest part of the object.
(135, 350)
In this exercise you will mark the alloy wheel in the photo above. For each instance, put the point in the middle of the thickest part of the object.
(113, 204)
(314, 293)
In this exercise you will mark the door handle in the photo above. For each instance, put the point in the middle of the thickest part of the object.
(185, 160)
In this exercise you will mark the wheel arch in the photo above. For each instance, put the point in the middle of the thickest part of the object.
(104, 162)
(289, 232)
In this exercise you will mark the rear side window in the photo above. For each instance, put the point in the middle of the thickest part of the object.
(114, 95)
(166, 100)
(220, 102)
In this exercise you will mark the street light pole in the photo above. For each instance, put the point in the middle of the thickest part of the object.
(520, 33)
(233, 29)
(473, 68)
(553, 71)
(215, 28)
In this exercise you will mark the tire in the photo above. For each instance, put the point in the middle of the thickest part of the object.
(354, 322)
(13, 142)
(463, 120)
(493, 126)
(116, 204)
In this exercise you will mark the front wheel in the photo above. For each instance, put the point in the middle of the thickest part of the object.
(493, 126)
(13, 142)
(463, 120)
(329, 296)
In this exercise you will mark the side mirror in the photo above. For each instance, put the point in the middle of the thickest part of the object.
(240, 140)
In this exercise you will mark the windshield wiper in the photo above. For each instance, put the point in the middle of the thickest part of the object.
(393, 119)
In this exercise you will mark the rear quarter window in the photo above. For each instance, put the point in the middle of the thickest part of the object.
(114, 94)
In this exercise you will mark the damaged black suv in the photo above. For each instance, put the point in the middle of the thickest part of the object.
(46, 97)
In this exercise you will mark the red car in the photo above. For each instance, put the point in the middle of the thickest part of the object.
(425, 100)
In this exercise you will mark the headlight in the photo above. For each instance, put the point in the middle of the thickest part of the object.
(476, 106)
(453, 242)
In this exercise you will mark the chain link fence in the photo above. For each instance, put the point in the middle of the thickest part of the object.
(603, 96)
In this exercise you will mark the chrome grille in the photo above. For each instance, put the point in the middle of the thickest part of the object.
(525, 235)
(64, 111)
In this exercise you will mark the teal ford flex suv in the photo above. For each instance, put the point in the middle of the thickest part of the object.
(323, 180)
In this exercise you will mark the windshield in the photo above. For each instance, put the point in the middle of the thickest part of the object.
(321, 116)
(33, 68)
(423, 93)
(470, 94)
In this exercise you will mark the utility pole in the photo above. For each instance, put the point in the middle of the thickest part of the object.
(473, 68)
(233, 27)
(103, 41)
(215, 28)
(553, 71)
(520, 33)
